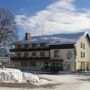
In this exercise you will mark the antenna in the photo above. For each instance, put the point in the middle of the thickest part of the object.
(42, 28)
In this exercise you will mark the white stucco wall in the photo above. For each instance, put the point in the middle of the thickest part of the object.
(63, 55)
(85, 59)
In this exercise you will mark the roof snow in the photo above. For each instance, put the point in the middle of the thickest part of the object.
(55, 39)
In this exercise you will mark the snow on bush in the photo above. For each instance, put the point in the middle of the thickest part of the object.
(10, 75)
(15, 75)
(34, 79)
(31, 78)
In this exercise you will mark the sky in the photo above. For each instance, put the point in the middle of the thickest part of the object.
(49, 16)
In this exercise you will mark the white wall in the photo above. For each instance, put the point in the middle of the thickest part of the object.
(85, 59)
(63, 55)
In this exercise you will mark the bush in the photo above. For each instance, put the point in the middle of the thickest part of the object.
(80, 70)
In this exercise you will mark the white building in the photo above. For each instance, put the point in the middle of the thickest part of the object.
(60, 52)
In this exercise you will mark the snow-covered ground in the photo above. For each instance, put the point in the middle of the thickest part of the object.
(70, 81)
(63, 81)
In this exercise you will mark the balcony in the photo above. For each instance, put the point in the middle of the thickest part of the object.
(35, 59)
(29, 49)
(30, 58)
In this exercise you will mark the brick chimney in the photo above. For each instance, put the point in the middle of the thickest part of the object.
(27, 36)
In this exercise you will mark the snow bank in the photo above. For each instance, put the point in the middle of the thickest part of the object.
(29, 77)
(15, 75)
(10, 75)
(34, 79)
(43, 82)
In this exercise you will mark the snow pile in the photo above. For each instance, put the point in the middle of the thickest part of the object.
(43, 82)
(10, 75)
(15, 75)
(34, 79)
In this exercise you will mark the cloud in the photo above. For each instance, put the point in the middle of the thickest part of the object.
(60, 16)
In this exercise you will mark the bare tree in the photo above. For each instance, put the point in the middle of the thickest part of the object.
(8, 32)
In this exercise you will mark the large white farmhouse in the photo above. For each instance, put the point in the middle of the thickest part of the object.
(59, 52)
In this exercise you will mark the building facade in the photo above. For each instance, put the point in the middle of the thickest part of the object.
(61, 52)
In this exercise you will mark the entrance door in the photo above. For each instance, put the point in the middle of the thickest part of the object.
(46, 66)
(56, 66)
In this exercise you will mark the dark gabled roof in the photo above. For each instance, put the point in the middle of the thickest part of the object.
(55, 39)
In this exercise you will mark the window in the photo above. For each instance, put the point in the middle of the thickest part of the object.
(19, 46)
(82, 45)
(18, 54)
(69, 55)
(83, 65)
(26, 54)
(30, 46)
(42, 54)
(26, 46)
(24, 64)
(34, 45)
(32, 64)
(56, 53)
(42, 45)
(33, 53)
(82, 54)
(75, 53)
